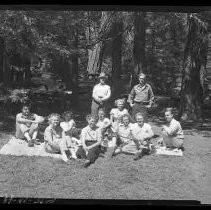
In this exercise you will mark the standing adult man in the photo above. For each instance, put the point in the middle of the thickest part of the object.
(101, 94)
(141, 97)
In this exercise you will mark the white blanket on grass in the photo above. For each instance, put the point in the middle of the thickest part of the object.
(19, 147)
(165, 151)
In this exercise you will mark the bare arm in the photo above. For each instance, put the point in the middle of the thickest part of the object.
(111, 117)
(21, 119)
(39, 119)
(83, 139)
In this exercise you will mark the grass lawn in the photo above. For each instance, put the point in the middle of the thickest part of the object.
(153, 177)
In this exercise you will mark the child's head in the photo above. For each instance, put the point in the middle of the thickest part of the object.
(91, 120)
(169, 115)
(120, 103)
(101, 113)
(125, 119)
(54, 119)
(139, 118)
(26, 109)
(67, 116)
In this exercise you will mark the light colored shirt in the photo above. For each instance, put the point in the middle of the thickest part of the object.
(103, 123)
(52, 134)
(174, 129)
(142, 133)
(66, 126)
(101, 91)
(124, 133)
(29, 117)
(89, 134)
(141, 94)
(118, 113)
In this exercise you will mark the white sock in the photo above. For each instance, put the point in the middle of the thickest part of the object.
(64, 157)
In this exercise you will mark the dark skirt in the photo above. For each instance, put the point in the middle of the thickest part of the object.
(92, 153)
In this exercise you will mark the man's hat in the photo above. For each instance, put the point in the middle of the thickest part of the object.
(102, 75)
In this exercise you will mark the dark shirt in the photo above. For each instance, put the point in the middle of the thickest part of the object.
(141, 94)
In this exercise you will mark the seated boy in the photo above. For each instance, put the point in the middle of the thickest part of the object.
(27, 125)
(105, 126)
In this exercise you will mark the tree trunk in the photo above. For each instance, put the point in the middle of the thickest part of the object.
(5, 75)
(74, 69)
(94, 60)
(6, 71)
(27, 73)
(116, 59)
(195, 55)
(191, 94)
(1, 58)
(139, 42)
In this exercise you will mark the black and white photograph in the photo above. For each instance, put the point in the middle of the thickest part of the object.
(108, 104)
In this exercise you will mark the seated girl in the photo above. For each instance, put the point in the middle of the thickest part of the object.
(105, 125)
(91, 140)
(71, 133)
(116, 113)
(55, 141)
(124, 139)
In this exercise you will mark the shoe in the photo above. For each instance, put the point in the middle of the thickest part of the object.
(116, 152)
(87, 163)
(74, 157)
(36, 142)
(64, 158)
(138, 156)
(30, 143)
(182, 148)
(145, 151)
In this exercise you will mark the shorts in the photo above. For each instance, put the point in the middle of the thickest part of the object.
(61, 145)
(22, 128)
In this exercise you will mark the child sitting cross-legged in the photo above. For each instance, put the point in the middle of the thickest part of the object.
(71, 133)
(107, 134)
(55, 141)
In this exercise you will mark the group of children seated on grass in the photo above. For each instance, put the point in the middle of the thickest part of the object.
(102, 135)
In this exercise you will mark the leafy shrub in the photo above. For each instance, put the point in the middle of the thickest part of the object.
(19, 95)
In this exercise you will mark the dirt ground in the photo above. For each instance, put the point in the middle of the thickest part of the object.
(154, 177)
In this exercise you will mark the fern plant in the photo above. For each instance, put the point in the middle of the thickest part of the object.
(19, 95)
